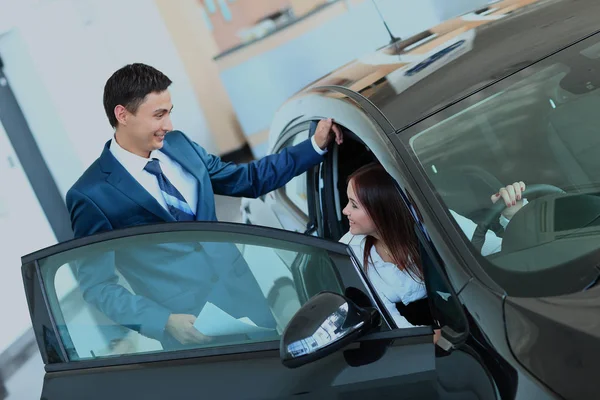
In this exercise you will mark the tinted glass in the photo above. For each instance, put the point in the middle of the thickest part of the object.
(179, 290)
(539, 127)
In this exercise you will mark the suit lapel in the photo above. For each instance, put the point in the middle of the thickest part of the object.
(181, 157)
(124, 182)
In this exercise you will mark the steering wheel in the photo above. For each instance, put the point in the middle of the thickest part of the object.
(494, 212)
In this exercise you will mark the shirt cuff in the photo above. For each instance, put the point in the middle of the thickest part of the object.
(504, 221)
(316, 147)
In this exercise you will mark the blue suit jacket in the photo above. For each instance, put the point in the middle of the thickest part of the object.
(178, 277)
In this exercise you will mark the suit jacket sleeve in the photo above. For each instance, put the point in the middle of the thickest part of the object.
(261, 176)
(98, 280)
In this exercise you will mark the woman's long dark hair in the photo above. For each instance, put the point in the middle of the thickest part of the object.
(378, 194)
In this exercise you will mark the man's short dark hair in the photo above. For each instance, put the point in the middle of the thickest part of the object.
(129, 86)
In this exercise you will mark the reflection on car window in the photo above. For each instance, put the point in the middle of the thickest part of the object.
(540, 127)
(116, 297)
(295, 190)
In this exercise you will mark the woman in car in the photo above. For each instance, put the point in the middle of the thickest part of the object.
(381, 235)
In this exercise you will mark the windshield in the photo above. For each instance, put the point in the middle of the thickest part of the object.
(541, 127)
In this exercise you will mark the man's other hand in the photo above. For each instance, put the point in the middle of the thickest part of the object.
(181, 327)
(327, 131)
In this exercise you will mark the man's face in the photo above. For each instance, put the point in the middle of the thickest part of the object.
(144, 131)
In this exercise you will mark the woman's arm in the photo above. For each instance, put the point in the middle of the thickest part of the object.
(492, 242)
(513, 197)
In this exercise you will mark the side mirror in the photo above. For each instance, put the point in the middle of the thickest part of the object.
(323, 325)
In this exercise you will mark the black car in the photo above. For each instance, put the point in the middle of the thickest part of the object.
(508, 93)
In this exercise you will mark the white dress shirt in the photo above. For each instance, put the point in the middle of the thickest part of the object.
(185, 183)
(392, 285)
(493, 243)
(316, 147)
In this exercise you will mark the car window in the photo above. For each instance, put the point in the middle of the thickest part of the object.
(539, 126)
(294, 192)
(115, 297)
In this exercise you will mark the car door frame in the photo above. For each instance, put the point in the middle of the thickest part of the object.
(53, 351)
(313, 176)
(278, 196)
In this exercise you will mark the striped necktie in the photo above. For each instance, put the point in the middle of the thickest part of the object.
(178, 207)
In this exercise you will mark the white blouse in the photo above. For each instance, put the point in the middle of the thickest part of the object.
(392, 284)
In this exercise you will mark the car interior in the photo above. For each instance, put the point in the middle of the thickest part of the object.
(540, 129)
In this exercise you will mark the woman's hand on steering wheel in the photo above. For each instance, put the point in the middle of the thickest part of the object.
(512, 195)
(508, 195)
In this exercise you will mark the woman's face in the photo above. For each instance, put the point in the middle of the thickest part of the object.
(360, 222)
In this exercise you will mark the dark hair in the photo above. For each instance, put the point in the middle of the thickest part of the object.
(129, 86)
(378, 194)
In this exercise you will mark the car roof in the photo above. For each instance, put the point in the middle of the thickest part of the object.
(411, 79)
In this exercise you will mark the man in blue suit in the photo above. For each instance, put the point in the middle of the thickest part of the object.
(149, 173)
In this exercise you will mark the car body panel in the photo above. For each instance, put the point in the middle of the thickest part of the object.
(494, 46)
(258, 375)
(548, 336)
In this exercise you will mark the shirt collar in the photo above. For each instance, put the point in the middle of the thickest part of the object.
(375, 257)
(131, 162)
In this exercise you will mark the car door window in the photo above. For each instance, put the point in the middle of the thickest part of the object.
(114, 297)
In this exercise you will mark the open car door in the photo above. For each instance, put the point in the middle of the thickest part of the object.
(101, 309)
